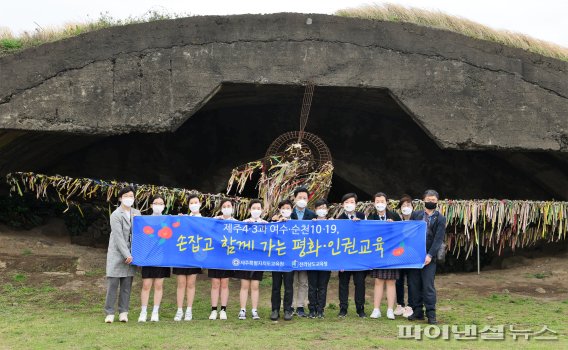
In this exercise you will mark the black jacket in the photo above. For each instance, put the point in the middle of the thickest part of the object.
(358, 214)
(389, 214)
(308, 214)
(435, 233)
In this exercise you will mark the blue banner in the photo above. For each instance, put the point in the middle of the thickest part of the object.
(185, 241)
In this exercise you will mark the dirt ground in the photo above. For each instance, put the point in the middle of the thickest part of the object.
(46, 254)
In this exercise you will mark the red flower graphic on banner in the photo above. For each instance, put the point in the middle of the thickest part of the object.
(398, 251)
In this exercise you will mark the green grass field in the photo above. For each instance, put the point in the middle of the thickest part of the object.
(41, 316)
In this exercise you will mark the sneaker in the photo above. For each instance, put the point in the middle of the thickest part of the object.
(213, 315)
(123, 317)
(399, 310)
(223, 315)
(376, 313)
(361, 314)
(109, 319)
(300, 312)
(178, 316)
(142, 317)
(274, 315)
(390, 314)
(255, 315)
(242, 315)
(312, 314)
(155, 317)
(407, 312)
(287, 315)
(320, 314)
(188, 316)
(342, 313)
(416, 317)
(432, 320)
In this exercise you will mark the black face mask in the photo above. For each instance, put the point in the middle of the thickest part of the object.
(430, 205)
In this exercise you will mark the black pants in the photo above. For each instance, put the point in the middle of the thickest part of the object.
(400, 287)
(359, 282)
(421, 290)
(317, 289)
(277, 279)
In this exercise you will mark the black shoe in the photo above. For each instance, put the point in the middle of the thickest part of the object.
(300, 312)
(275, 315)
(416, 317)
(287, 315)
(362, 314)
(342, 313)
(320, 314)
(432, 320)
(312, 314)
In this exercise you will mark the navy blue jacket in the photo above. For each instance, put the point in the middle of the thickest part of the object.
(308, 214)
(435, 233)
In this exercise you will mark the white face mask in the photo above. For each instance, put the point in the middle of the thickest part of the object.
(194, 208)
(380, 206)
(321, 213)
(255, 214)
(227, 211)
(349, 207)
(406, 210)
(127, 201)
(286, 212)
(302, 203)
(158, 208)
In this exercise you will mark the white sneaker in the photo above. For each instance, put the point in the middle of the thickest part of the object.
(390, 314)
(222, 315)
(255, 315)
(142, 317)
(213, 315)
(399, 310)
(123, 317)
(242, 315)
(188, 316)
(407, 312)
(376, 313)
(178, 316)
(155, 317)
(109, 319)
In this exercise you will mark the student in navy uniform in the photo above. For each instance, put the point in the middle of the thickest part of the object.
(402, 308)
(279, 277)
(153, 275)
(382, 276)
(349, 203)
(318, 279)
(422, 290)
(220, 278)
(186, 276)
(251, 279)
(301, 212)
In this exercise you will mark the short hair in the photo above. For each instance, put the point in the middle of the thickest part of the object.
(429, 193)
(380, 194)
(347, 196)
(320, 202)
(284, 202)
(158, 196)
(255, 201)
(403, 199)
(191, 196)
(225, 200)
(126, 189)
(301, 190)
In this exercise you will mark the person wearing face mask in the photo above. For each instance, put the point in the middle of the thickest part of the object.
(318, 280)
(279, 277)
(119, 270)
(220, 278)
(250, 280)
(349, 203)
(186, 276)
(153, 275)
(422, 292)
(402, 309)
(384, 276)
(301, 212)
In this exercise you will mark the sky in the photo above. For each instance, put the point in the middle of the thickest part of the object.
(543, 19)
